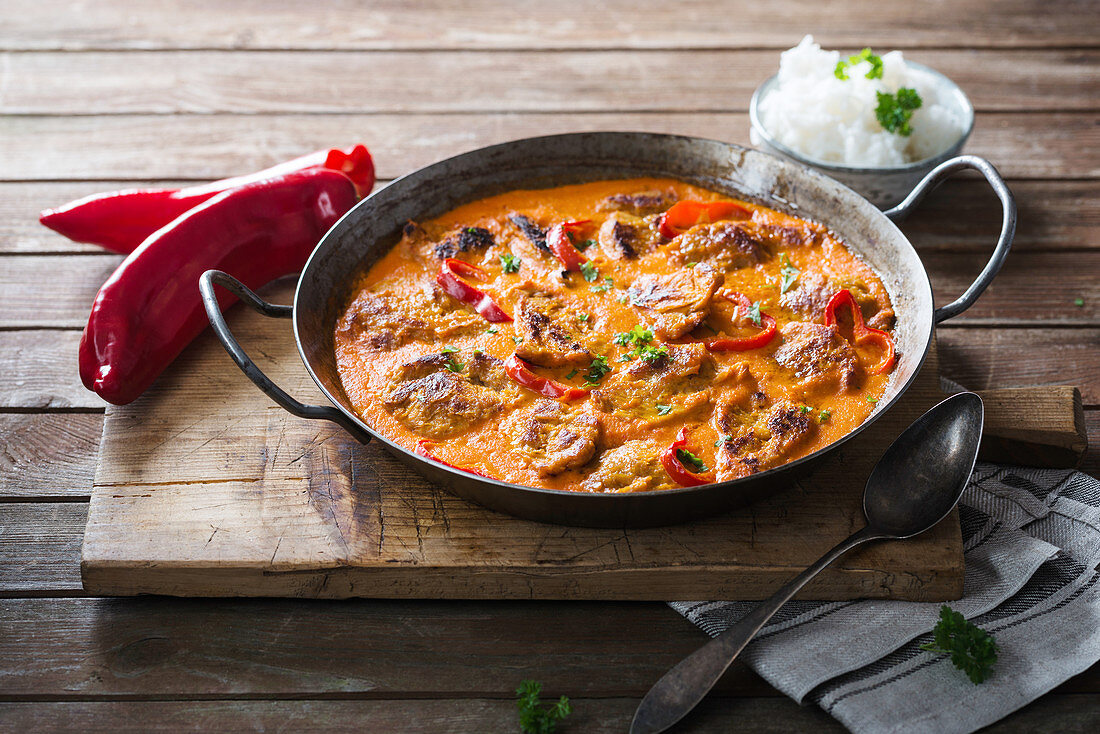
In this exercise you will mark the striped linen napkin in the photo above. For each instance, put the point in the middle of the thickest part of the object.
(1031, 540)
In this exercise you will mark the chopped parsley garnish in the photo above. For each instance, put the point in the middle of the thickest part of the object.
(824, 415)
(788, 274)
(454, 366)
(582, 317)
(533, 718)
(571, 375)
(448, 350)
(652, 354)
(724, 439)
(663, 409)
(596, 370)
(806, 409)
(971, 648)
(690, 264)
(517, 339)
(1078, 302)
(492, 330)
(875, 72)
(754, 314)
(872, 401)
(895, 110)
(601, 288)
(639, 335)
(690, 461)
(510, 263)
(590, 272)
(623, 298)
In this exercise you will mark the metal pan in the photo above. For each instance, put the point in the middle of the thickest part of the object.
(371, 228)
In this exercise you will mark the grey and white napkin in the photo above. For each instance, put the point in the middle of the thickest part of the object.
(1031, 540)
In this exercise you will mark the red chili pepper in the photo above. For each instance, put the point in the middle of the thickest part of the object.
(517, 369)
(121, 220)
(450, 280)
(680, 474)
(424, 448)
(557, 239)
(761, 338)
(683, 215)
(861, 333)
(150, 308)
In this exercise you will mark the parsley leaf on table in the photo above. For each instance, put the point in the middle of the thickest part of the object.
(533, 718)
(895, 110)
(971, 648)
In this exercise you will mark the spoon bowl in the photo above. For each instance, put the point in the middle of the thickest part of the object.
(915, 484)
(921, 476)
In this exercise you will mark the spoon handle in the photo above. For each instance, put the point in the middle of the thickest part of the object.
(683, 687)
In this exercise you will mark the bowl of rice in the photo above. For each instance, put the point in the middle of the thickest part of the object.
(877, 124)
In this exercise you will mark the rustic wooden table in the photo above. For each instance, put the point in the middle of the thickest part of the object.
(98, 96)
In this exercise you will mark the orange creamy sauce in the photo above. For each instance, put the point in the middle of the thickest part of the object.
(762, 412)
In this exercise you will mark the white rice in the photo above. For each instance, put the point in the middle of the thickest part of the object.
(833, 120)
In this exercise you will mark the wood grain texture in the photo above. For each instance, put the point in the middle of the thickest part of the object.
(204, 487)
(48, 456)
(479, 24)
(38, 371)
(51, 290)
(204, 82)
(39, 547)
(1062, 146)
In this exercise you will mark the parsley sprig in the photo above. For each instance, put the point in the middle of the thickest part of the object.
(596, 371)
(691, 461)
(895, 110)
(788, 274)
(875, 72)
(533, 718)
(971, 648)
(590, 272)
(510, 263)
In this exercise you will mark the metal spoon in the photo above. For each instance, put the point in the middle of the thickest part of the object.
(915, 484)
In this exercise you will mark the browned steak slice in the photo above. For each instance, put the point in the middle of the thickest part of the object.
(817, 355)
(553, 437)
(676, 303)
(549, 332)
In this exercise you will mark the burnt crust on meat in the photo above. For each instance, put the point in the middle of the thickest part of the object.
(552, 437)
(764, 440)
(634, 466)
(678, 302)
(530, 230)
(640, 204)
(723, 245)
(548, 330)
(435, 401)
(817, 354)
(465, 240)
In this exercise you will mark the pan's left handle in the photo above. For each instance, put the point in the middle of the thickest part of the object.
(1004, 241)
(210, 300)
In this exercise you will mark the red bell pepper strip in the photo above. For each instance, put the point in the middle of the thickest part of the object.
(557, 239)
(679, 473)
(150, 308)
(121, 220)
(683, 215)
(517, 369)
(761, 338)
(861, 333)
(450, 280)
(424, 448)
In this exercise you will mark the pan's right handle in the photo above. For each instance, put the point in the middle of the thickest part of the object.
(210, 300)
(1004, 241)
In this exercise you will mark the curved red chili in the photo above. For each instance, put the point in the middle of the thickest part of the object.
(861, 333)
(767, 331)
(683, 215)
(670, 460)
(450, 280)
(121, 220)
(517, 369)
(424, 448)
(150, 308)
(557, 239)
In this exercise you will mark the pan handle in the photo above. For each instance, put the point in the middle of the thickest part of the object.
(1004, 241)
(206, 285)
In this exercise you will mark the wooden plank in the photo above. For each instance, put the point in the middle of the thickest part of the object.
(1034, 428)
(983, 358)
(40, 548)
(1033, 288)
(962, 214)
(434, 81)
(595, 716)
(480, 24)
(51, 290)
(1058, 146)
(205, 488)
(39, 371)
(181, 648)
(48, 455)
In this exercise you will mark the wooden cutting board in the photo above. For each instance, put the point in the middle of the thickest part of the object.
(206, 488)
